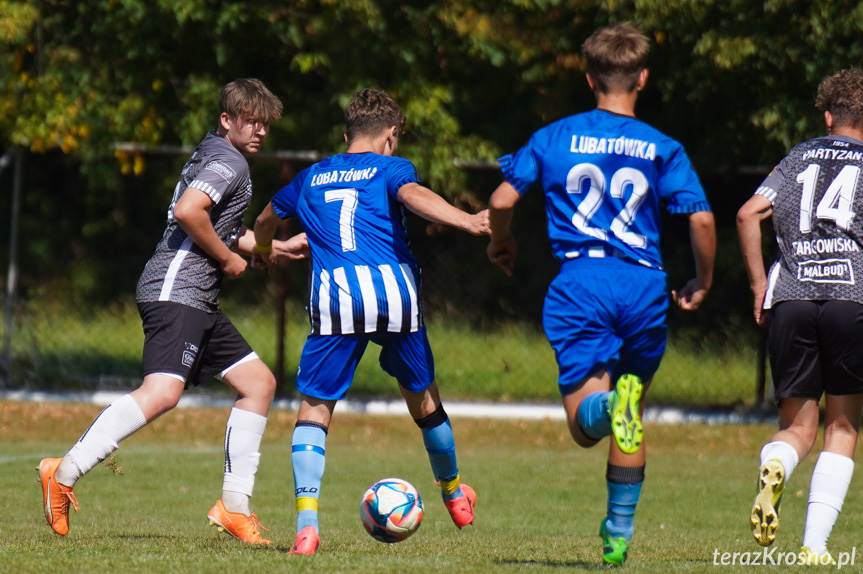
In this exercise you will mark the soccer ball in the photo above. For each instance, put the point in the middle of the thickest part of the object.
(391, 510)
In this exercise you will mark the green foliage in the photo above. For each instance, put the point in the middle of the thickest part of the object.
(733, 80)
(83, 76)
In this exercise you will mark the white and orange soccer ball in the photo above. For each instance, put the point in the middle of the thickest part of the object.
(391, 510)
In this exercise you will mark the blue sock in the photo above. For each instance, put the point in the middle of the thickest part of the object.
(593, 417)
(624, 490)
(308, 457)
(440, 445)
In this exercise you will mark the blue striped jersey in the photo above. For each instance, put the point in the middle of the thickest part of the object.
(364, 278)
(605, 177)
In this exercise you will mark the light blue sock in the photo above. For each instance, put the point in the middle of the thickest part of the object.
(440, 446)
(593, 417)
(624, 490)
(308, 457)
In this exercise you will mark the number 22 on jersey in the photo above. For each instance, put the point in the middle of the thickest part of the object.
(622, 178)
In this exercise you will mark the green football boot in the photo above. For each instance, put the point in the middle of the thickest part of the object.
(623, 406)
(614, 549)
(765, 511)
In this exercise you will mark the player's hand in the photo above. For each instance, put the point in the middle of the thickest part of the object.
(260, 260)
(503, 253)
(297, 247)
(691, 296)
(479, 224)
(235, 266)
(762, 315)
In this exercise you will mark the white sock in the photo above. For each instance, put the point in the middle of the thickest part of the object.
(827, 491)
(116, 422)
(243, 436)
(783, 452)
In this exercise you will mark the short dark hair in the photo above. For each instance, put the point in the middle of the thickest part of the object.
(842, 95)
(616, 56)
(251, 99)
(371, 112)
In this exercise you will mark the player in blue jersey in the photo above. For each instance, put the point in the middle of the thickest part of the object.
(814, 308)
(605, 175)
(364, 287)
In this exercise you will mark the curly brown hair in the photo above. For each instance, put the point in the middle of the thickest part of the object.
(842, 95)
(251, 99)
(615, 57)
(371, 112)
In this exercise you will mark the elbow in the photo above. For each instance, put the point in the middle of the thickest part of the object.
(744, 217)
(498, 202)
(703, 221)
(182, 214)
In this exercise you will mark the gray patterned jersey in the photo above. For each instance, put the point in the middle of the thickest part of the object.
(817, 208)
(179, 270)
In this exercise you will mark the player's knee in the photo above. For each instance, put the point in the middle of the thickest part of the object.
(165, 403)
(267, 386)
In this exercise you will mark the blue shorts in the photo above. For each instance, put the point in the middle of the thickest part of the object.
(328, 362)
(605, 314)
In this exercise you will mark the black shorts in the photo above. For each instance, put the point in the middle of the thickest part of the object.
(816, 347)
(190, 344)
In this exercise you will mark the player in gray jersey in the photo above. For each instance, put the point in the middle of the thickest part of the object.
(187, 339)
(812, 301)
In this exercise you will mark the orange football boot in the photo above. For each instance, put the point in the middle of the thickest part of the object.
(55, 497)
(242, 527)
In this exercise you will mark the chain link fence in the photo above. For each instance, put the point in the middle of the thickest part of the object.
(485, 328)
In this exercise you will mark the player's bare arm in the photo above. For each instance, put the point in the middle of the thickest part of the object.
(502, 249)
(431, 206)
(749, 218)
(192, 213)
(265, 228)
(702, 233)
(296, 247)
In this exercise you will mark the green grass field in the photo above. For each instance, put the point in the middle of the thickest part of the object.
(540, 498)
(64, 348)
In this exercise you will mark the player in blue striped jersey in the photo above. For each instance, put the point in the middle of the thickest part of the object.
(606, 175)
(364, 287)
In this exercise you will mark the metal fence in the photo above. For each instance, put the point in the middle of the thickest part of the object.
(484, 327)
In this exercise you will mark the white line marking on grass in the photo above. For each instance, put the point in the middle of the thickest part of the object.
(512, 411)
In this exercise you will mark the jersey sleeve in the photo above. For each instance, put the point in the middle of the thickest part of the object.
(773, 182)
(220, 176)
(285, 200)
(399, 173)
(521, 169)
(679, 186)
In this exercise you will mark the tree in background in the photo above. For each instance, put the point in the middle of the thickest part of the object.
(476, 77)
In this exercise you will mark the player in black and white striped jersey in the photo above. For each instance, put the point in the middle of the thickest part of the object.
(812, 300)
(187, 338)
